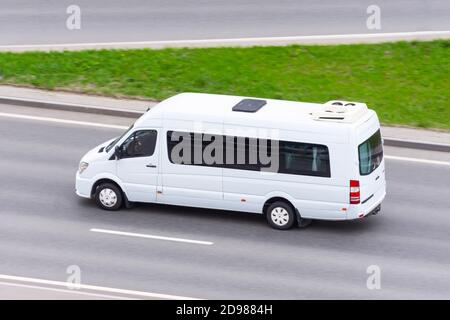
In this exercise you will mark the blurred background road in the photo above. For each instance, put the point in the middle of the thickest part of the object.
(24, 22)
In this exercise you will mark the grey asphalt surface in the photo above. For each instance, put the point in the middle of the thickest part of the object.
(45, 228)
(13, 291)
(44, 21)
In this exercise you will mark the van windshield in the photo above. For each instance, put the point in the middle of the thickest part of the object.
(370, 154)
(117, 139)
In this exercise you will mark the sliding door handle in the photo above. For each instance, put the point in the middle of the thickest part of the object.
(151, 165)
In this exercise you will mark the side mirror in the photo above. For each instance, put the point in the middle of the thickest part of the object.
(118, 152)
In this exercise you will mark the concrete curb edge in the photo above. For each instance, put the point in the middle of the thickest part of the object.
(69, 107)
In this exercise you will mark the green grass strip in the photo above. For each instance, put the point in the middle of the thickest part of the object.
(407, 83)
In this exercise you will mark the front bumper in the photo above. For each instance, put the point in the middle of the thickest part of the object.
(83, 187)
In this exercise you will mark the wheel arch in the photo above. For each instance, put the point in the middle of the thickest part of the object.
(106, 180)
(285, 198)
(275, 199)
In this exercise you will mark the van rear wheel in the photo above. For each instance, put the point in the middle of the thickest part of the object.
(108, 197)
(280, 215)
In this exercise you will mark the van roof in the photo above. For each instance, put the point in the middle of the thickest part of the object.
(289, 115)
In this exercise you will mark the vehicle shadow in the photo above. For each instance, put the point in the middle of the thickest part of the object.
(218, 221)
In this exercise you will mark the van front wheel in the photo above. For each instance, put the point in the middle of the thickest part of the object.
(109, 197)
(280, 215)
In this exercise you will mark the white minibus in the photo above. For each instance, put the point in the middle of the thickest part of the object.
(293, 162)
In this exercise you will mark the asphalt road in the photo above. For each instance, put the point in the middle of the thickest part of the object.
(44, 21)
(45, 228)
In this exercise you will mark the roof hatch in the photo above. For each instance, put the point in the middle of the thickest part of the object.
(249, 105)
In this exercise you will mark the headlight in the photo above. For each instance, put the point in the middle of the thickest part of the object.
(83, 166)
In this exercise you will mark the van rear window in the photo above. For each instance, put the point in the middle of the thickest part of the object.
(370, 154)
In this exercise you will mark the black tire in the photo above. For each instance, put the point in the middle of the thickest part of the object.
(280, 215)
(111, 199)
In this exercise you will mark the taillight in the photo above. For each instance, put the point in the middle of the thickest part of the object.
(354, 192)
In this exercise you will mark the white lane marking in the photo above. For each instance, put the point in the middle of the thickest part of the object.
(442, 163)
(65, 121)
(251, 40)
(96, 124)
(95, 288)
(148, 236)
(64, 291)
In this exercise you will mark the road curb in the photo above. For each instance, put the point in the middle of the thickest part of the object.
(423, 145)
(70, 107)
(327, 39)
(393, 142)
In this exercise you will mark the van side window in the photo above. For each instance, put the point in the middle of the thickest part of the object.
(293, 157)
(304, 159)
(140, 144)
(245, 151)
